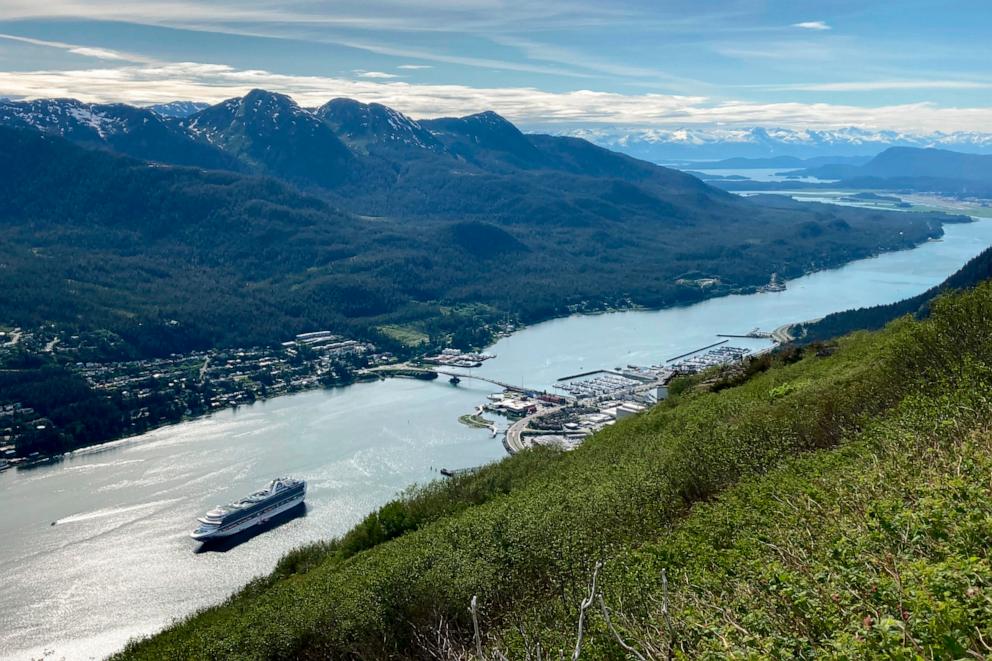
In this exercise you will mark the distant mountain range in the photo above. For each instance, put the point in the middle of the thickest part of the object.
(906, 169)
(907, 162)
(178, 109)
(778, 162)
(116, 127)
(372, 159)
(344, 147)
(702, 143)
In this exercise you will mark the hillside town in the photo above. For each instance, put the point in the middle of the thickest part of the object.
(152, 392)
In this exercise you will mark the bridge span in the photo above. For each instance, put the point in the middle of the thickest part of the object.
(501, 384)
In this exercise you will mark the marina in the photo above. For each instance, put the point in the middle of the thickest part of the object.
(689, 353)
(602, 397)
(122, 511)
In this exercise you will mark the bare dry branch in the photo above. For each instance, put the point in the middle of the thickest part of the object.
(475, 625)
(583, 607)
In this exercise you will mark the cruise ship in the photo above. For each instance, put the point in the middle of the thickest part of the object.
(282, 494)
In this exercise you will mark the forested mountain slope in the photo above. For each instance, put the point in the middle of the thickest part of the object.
(835, 504)
(174, 259)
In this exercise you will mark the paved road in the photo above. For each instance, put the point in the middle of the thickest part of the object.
(514, 435)
(783, 334)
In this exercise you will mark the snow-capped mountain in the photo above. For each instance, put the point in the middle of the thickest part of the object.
(178, 109)
(270, 131)
(73, 119)
(346, 142)
(118, 127)
(663, 145)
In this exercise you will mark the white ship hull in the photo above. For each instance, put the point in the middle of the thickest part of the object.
(205, 533)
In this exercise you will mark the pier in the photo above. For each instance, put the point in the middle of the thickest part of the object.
(686, 355)
(755, 334)
(582, 374)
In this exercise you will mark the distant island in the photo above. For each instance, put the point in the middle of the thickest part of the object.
(899, 169)
(740, 163)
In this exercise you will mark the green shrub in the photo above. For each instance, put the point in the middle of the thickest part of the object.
(658, 491)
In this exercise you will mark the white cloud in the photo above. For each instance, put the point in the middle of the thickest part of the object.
(86, 51)
(374, 74)
(99, 53)
(812, 25)
(414, 67)
(165, 81)
(465, 60)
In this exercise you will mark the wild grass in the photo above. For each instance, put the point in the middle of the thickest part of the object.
(408, 335)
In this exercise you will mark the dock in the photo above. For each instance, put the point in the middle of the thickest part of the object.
(582, 374)
(685, 355)
(756, 333)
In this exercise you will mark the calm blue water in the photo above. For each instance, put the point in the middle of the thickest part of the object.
(758, 174)
(118, 562)
(539, 355)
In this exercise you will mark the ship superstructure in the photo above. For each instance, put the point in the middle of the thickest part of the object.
(282, 494)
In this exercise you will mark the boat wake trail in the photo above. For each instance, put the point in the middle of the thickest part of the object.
(110, 511)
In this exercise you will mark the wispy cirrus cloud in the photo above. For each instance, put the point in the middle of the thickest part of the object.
(590, 63)
(414, 67)
(812, 25)
(881, 85)
(86, 51)
(273, 16)
(165, 81)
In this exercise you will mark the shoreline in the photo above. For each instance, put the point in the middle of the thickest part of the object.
(373, 376)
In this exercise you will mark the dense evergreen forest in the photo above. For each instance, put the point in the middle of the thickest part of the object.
(173, 259)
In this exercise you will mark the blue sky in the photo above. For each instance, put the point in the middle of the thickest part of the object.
(903, 65)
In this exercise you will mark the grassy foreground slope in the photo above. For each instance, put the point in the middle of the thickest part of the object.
(875, 550)
(833, 506)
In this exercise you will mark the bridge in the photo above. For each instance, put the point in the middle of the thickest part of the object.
(407, 368)
(501, 384)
